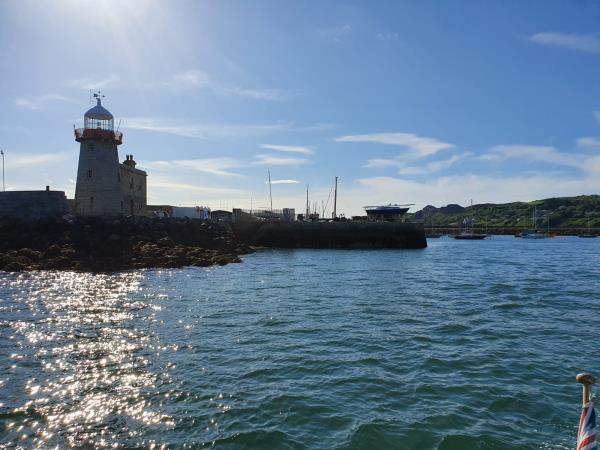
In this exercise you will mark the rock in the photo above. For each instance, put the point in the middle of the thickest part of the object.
(99, 244)
(58, 263)
(165, 242)
(14, 266)
(200, 262)
(32, 255)
(4, 259)
(24, 260)
(52, 252)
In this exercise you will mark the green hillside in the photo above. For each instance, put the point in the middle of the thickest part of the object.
(560, 212)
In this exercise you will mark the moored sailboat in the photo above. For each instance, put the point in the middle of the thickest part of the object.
(534, 233)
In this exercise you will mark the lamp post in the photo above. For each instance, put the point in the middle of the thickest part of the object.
(3, 185)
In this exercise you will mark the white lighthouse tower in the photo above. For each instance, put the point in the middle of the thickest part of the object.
(98, 191)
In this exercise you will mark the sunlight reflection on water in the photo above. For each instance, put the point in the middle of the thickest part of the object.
(92, 359)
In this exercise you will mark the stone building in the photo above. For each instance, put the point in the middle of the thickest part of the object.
(104, 186)
(133, 188)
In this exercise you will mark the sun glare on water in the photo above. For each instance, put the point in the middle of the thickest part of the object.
(93, 364)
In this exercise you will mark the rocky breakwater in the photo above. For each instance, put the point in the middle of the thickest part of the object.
(107, 245)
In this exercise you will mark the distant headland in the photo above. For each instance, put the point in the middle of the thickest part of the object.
(563, 215)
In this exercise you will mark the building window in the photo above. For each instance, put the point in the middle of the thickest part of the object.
(91, 145)
(89, 173)
(91, 204)
(119, 177)
(121, 205)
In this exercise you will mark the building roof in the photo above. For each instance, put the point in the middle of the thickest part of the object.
(98, 112)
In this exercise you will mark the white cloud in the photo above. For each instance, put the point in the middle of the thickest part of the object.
(587, 42)
(270, 160)
(417, 145)
(213, 131)
(257, 94)
(284, 182)
(92, 83)
(198, 79)
(214, 166)
(41, 102)
(533, 153)
(190, 79)
(434, 166)
(32, 159)
(588, 142)
(387, 36)
(427, 168)
(337, 34)
(289, 148)
(382, 163)
(169, 184)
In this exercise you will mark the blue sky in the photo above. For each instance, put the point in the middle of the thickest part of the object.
(424, 102)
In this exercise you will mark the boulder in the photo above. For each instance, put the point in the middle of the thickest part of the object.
(52, 252)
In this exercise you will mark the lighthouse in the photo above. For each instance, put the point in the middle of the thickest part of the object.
(104, 186)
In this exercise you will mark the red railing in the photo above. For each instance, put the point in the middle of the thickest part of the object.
(90, 133)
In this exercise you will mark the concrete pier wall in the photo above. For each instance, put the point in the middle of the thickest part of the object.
(33, 205)
(331, 234)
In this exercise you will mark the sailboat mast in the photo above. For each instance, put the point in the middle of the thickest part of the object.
(306, 218)
(335, 200)
(270, 193)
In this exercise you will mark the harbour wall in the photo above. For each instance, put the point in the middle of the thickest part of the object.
(331, 234)
(33, 205)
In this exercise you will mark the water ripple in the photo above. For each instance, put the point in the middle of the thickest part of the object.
(459, 346)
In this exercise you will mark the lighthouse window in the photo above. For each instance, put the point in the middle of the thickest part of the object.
(89, 173)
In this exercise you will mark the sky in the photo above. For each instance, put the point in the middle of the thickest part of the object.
(424, 102)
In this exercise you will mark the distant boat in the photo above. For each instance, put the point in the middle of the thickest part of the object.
(386, 213)
(534, 234)
(470, 236)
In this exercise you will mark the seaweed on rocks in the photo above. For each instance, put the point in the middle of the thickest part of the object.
(95, 244)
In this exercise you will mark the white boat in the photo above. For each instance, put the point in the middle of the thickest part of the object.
(533, 235)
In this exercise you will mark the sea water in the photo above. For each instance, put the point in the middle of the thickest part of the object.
(463, 345)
